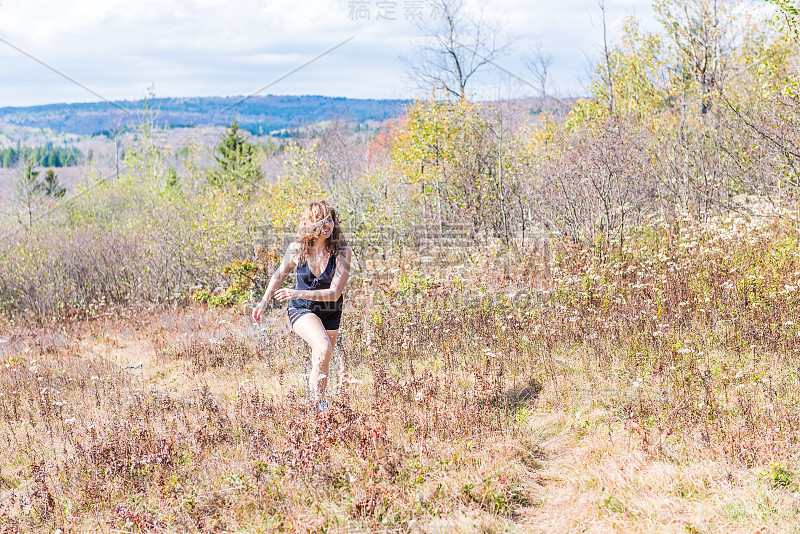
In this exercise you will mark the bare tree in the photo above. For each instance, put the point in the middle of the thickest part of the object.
(454, 47)
(538, 63)
(27, 193)
(703, 34)
(608, 66)
(337, 149)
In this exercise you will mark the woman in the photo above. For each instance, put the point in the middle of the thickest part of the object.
(322, 258)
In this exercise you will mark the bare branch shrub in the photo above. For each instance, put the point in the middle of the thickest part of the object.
(595, 184)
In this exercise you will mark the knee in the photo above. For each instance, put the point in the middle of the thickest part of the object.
(323, 348)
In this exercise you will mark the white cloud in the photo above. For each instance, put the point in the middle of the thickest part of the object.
(222, 47)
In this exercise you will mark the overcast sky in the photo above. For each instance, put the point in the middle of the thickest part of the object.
(236, 47)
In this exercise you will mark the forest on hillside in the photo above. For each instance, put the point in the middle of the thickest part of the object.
(260, 115)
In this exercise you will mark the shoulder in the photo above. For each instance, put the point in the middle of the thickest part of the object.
(293, 251)
(344, 252)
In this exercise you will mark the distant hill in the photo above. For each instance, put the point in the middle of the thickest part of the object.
(258, 114)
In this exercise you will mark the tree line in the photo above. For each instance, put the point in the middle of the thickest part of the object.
(45, 156)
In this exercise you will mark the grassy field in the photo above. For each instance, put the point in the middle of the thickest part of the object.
(584, 321)
(548, 390)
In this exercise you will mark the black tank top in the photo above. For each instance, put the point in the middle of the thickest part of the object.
(307, 281)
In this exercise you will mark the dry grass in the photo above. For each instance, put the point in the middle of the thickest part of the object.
(601, 477)
(214, 434)
(652, 391)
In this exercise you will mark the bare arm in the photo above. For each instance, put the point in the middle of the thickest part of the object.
(331, 294)
(275, 281)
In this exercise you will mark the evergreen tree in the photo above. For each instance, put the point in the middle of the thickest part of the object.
(237, 159)
(30, 177)
(51, 186)
(173, 182)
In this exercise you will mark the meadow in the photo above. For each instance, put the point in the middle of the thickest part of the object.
(652, 391)
(577, 321)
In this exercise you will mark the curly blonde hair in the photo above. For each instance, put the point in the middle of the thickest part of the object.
(310, 227)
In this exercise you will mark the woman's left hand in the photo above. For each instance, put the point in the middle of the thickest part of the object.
(282, 295)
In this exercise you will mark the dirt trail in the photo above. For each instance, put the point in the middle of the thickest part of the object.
(597, 476)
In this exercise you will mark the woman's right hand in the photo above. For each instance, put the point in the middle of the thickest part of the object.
(258, 310)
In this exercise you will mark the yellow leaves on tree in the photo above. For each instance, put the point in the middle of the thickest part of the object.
(633, 78)
(436, 140)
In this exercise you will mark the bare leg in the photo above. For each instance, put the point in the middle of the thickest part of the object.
(310, 329)
(332, 335)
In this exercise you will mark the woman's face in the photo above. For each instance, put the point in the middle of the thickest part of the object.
(326, 227)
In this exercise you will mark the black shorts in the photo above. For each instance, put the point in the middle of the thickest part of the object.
(330, 313)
